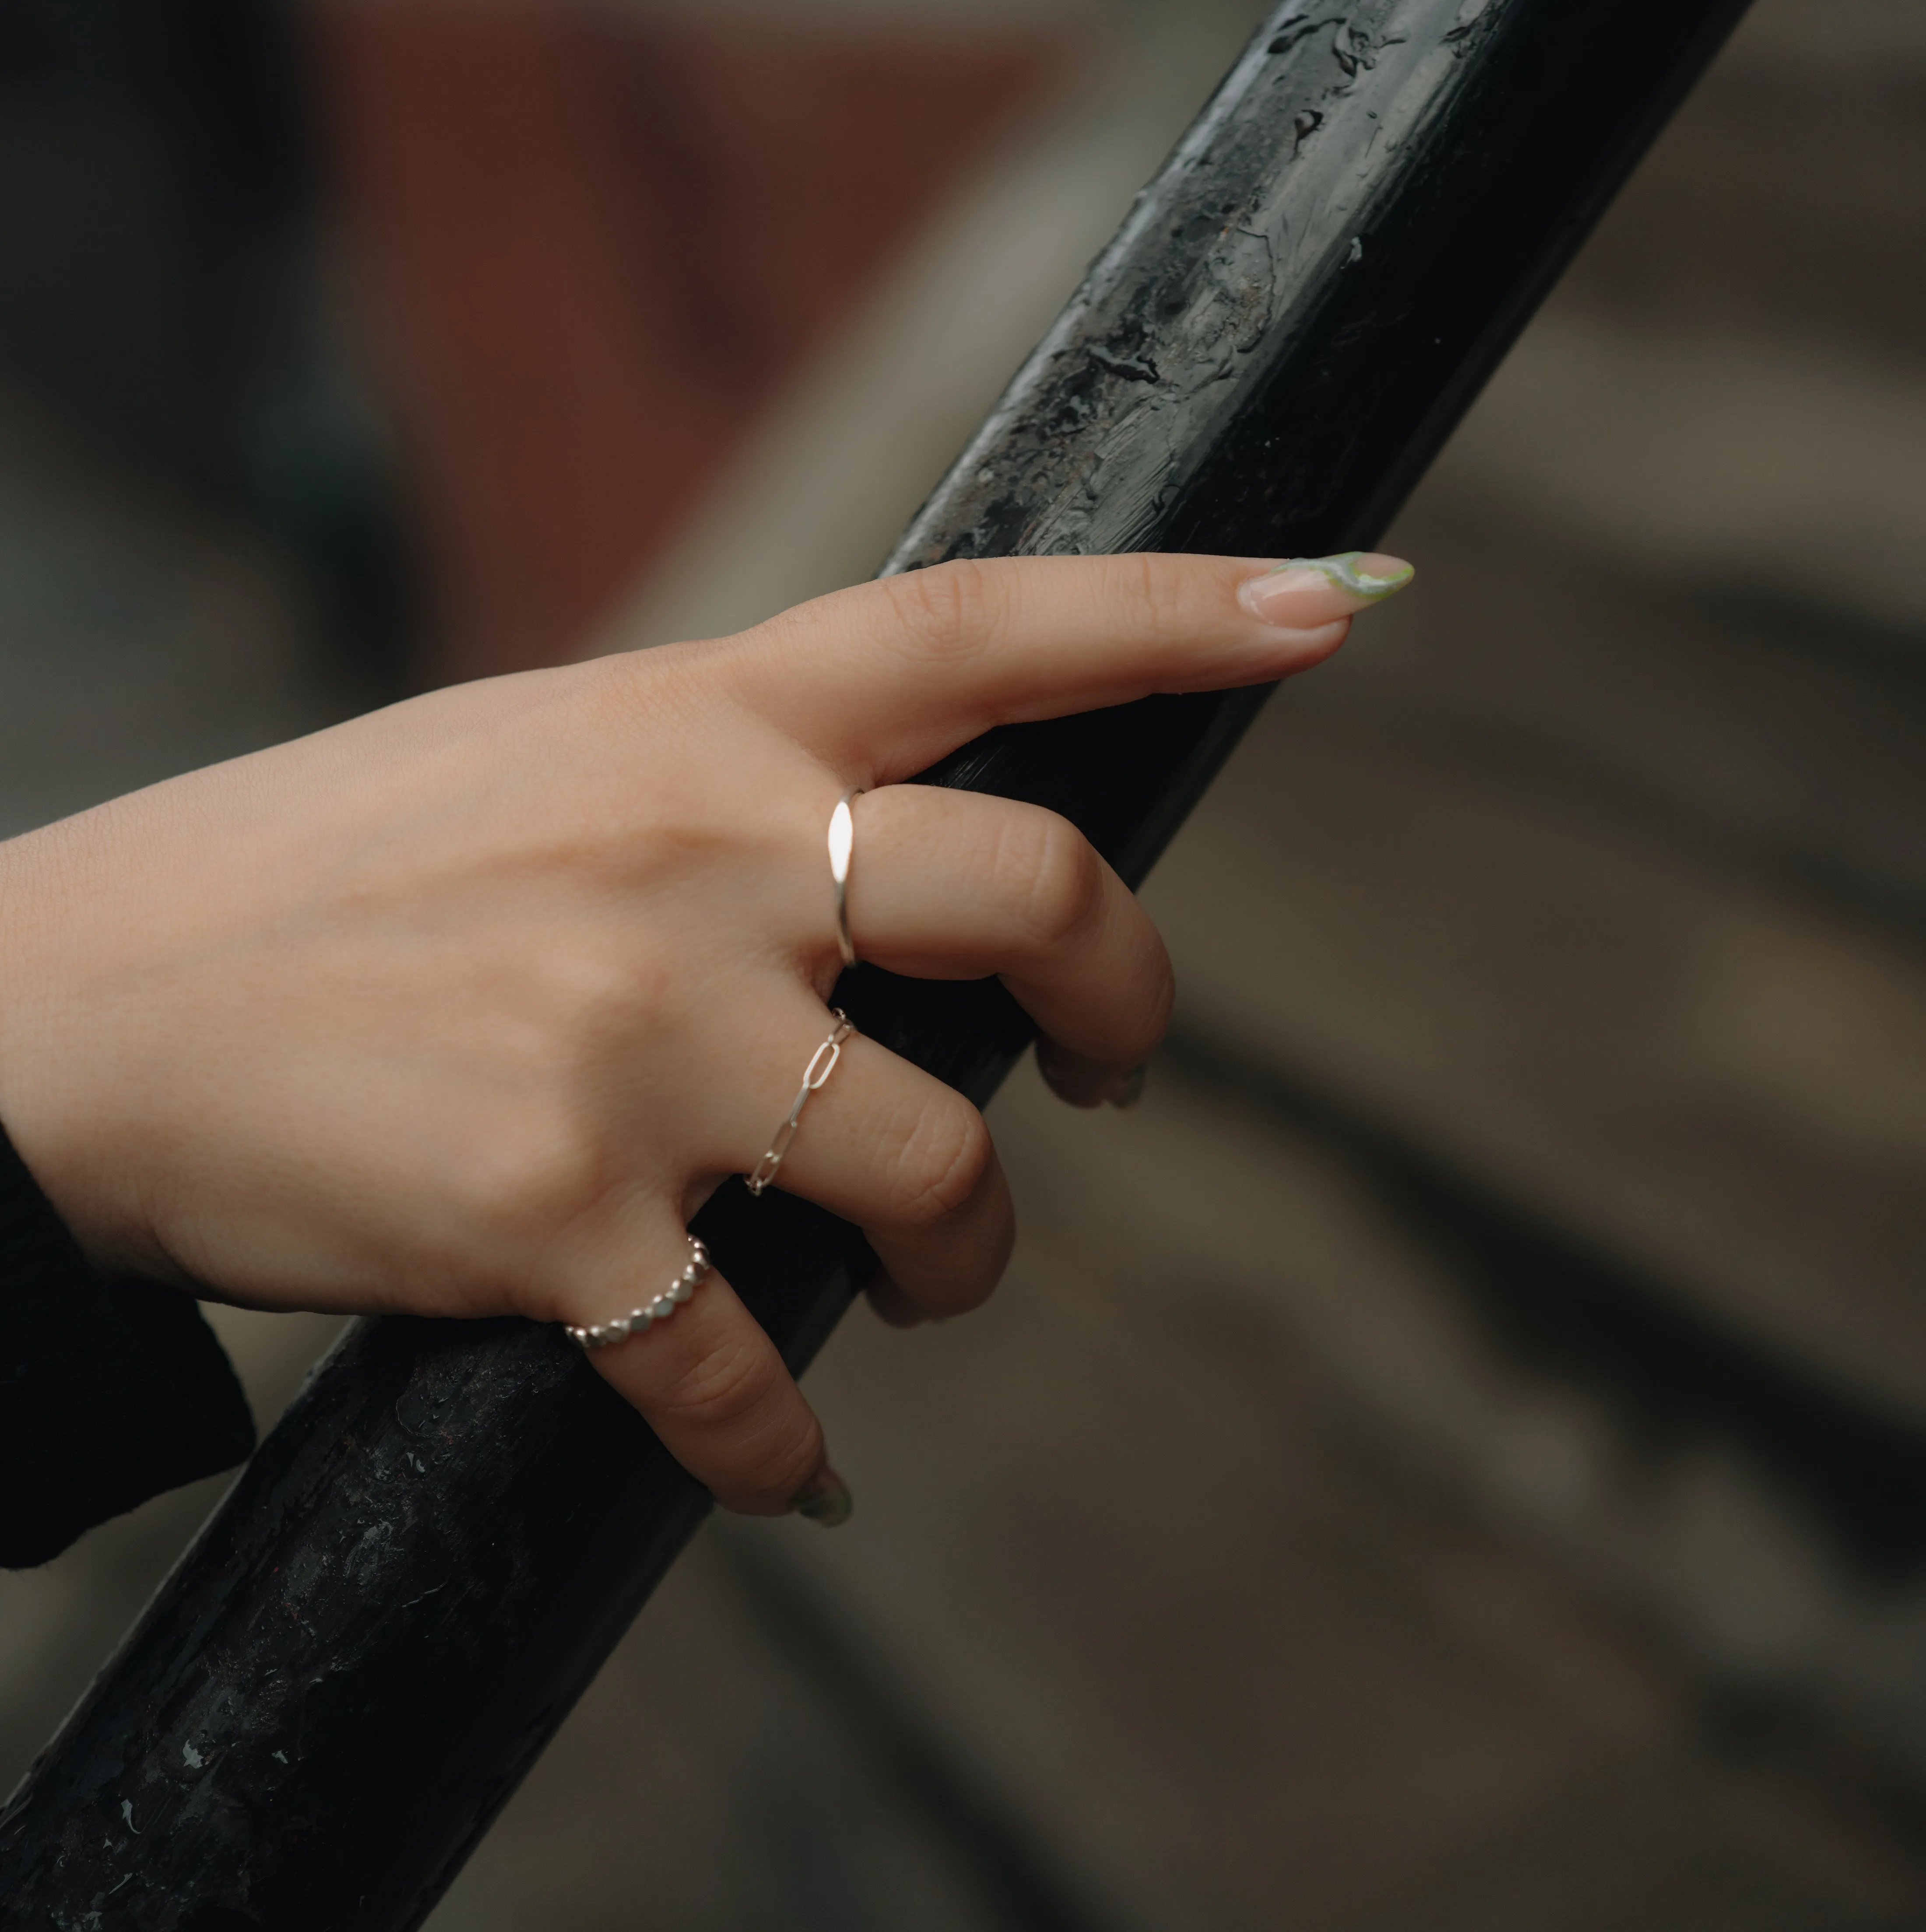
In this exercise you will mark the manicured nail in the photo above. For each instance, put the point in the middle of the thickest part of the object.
(824, 1498)
(1130, 1089)
(1303, 591)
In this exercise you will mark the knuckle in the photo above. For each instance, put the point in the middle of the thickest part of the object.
(1161, 1001)
(616, 686)
(605, 1003)
(1151, 1019)
(533, 1163)
(772, 1469)
(628, 690)
(767, 1448)
(1154, 594)
(743, 656)
(943, 613)
(722, 1391)
(1053, 876)
(527, 1182)
(941, 1163)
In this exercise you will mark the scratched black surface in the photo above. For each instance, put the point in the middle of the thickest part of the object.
(426, 1562)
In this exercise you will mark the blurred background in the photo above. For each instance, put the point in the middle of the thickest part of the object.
(1456, 1455)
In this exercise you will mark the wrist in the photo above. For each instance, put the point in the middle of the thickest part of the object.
(41, 1080)
(21, 917)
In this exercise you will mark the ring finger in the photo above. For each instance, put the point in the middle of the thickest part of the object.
(905, 1157)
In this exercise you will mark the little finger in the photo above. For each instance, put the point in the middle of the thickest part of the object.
(709, 1380)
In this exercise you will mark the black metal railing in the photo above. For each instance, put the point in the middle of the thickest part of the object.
(428, 1559)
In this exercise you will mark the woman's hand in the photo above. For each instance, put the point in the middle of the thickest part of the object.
(465, 1007)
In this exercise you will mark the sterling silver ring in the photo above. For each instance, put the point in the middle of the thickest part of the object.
(822, 1064)
(604, 1333)
(842, 846)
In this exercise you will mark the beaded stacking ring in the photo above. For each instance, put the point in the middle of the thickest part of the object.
(842, 847)
(822, 1064)
(665, 1304)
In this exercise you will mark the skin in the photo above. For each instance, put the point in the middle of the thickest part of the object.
(463, 1008)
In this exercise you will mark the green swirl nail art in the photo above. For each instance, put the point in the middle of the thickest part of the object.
(1343, 571)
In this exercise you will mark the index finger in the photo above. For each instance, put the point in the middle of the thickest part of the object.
(884, 678)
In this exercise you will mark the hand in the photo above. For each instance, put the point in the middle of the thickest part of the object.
(465, 1007)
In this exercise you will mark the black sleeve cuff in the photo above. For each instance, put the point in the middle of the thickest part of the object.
(110, 1392)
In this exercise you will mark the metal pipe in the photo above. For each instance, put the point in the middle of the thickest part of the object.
(405, 1592)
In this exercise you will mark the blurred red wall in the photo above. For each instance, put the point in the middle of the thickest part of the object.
(592, 247)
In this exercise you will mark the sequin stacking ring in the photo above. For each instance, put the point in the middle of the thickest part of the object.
(665, 1304)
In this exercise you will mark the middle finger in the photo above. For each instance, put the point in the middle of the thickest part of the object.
(957, 885)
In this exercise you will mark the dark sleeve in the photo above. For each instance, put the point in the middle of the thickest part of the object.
(110, 1392)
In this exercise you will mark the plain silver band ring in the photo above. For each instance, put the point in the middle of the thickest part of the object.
(842, 848)
(604, 1334)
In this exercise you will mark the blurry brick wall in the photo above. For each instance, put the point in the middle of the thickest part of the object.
(591, 246)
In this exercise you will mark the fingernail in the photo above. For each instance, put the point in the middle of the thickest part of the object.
(824, 1498)
(1130, 1089)
(1302, 591)
(1083, 1083)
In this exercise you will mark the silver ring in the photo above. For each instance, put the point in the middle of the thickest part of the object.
(603, 1334)
(822, 1064)
(842, 847)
